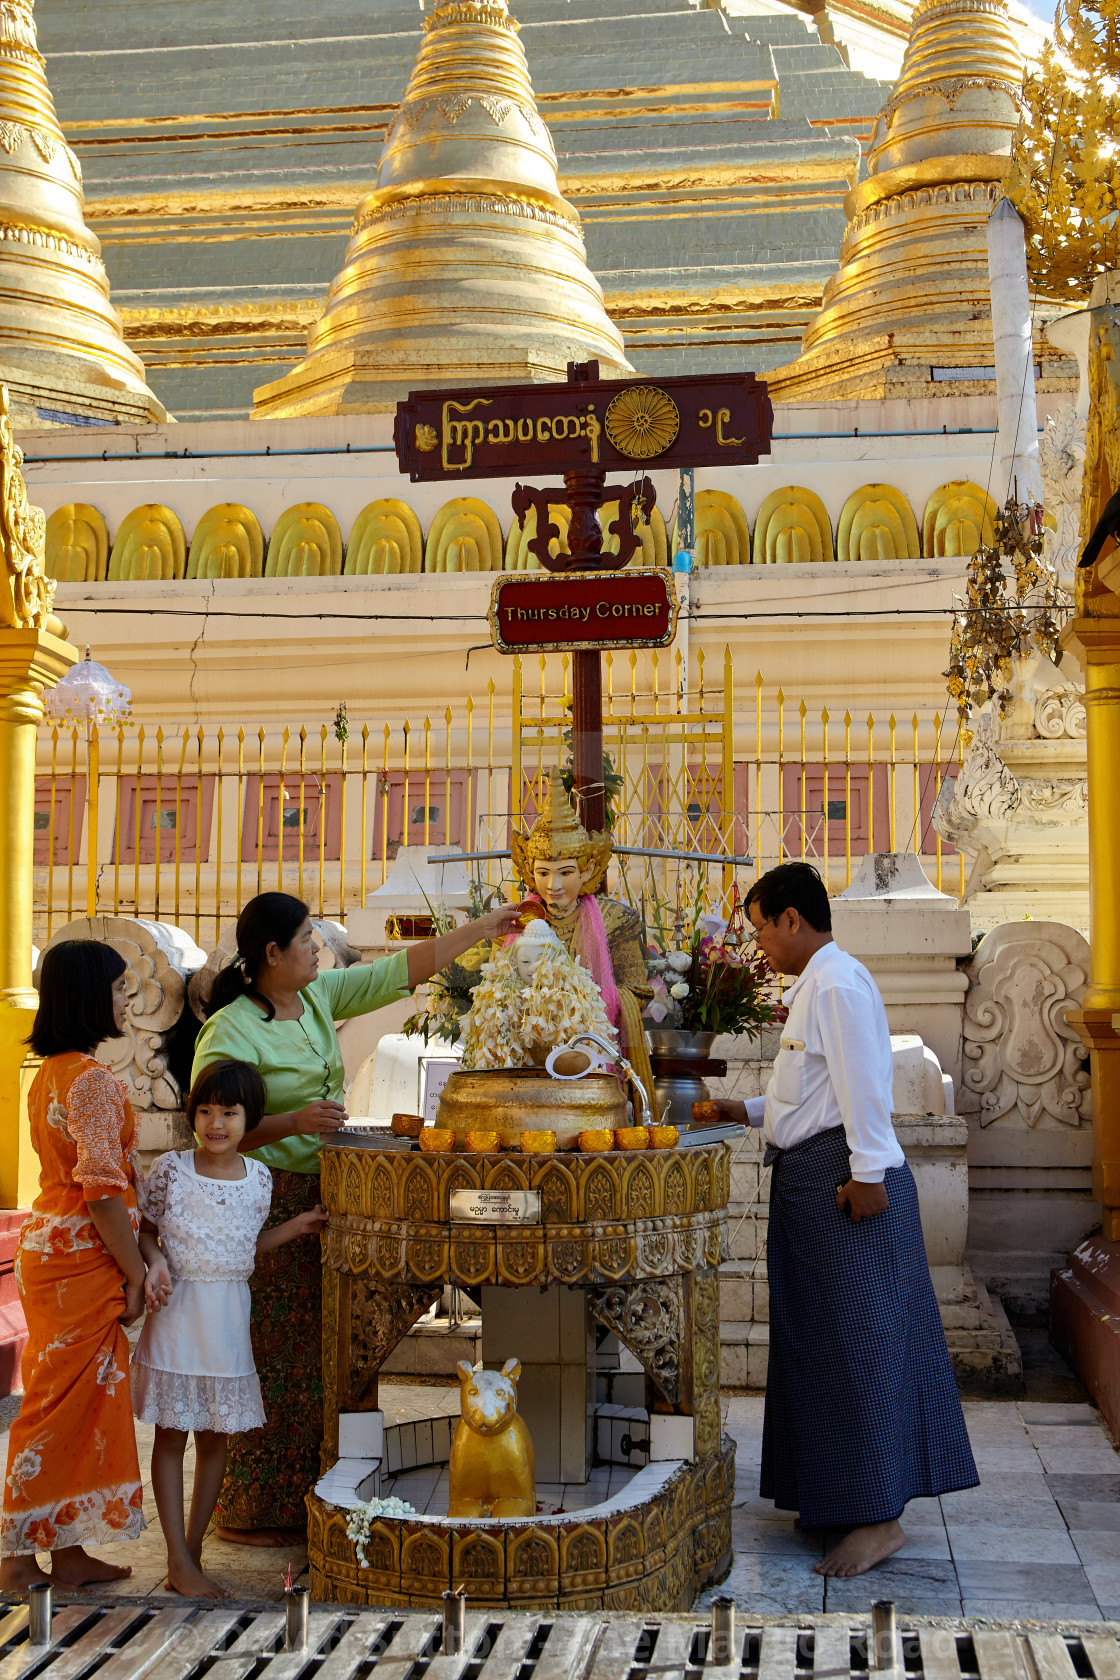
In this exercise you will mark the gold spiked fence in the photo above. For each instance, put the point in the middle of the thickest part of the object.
(185, 824)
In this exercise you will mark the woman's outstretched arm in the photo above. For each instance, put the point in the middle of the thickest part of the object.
(431, 955)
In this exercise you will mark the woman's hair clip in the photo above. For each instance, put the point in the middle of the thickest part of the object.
(237, 960)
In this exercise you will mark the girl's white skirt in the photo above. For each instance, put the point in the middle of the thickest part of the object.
(193, 1366)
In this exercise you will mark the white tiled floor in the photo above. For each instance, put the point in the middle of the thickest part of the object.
(1040, 1536)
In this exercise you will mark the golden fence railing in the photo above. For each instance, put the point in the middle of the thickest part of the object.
(185, 824)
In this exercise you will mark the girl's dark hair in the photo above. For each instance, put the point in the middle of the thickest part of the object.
(269, 919)
(793, 886)
(229, 1085)
(76, 997)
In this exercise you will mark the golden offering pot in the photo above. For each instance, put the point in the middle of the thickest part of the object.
(511, 1101)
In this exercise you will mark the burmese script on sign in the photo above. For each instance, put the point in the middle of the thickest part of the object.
(496, 1207)
(583, 610)
(502, 431)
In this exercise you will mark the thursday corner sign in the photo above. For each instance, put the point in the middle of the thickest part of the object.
(544, 611)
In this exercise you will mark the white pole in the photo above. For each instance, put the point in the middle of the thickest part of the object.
(1014, 355)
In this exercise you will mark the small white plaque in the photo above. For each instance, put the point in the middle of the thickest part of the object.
(496, 1207)
(434, 1072)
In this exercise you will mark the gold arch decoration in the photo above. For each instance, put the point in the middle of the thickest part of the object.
(77, 544)
(959, 517)
(305, 542)
(877, 523)
(150, 546)
(228, 543)
(464, 536)
(652, 533)
(518, 557)
(792, 527)
(722, 534)
(385, 538)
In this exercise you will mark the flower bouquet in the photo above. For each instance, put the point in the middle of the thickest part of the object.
(706, 976)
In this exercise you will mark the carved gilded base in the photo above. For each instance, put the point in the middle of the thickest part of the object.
(657, 1556)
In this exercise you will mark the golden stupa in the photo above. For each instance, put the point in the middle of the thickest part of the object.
(911, 297)
(465, 265)
(62, 349)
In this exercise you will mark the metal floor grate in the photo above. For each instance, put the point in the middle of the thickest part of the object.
(130, 1642)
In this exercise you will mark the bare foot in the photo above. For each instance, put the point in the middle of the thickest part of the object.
(183, 1577)
(263, 1536)
(20, 1572)
(862, 1548)
(73, 1567)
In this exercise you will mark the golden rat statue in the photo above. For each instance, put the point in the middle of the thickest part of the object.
(492, 1472)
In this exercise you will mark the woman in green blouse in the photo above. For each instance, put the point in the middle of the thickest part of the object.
(273, 1009)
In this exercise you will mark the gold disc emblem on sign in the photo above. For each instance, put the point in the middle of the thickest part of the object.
(642, 422)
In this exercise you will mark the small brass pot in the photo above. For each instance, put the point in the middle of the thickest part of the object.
(511, 1101)
(632, 1137)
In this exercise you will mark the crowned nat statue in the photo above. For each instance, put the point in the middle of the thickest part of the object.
(562, 867)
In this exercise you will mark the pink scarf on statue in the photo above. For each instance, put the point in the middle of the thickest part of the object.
(596, 951)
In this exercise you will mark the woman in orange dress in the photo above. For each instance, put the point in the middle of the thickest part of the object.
(73, 1474)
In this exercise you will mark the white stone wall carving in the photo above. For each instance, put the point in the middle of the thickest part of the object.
(160, 959)
(1061, 454)
(1022, 1060)
(1018, 810)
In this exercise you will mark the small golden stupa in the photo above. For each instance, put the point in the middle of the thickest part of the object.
(62, 349)
(465, 265)
(912, 294)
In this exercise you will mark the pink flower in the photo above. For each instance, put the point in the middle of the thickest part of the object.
(659, 1005)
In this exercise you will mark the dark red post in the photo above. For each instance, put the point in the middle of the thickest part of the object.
(587, 739)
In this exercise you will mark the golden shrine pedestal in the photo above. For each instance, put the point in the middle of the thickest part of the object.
(643, 1234)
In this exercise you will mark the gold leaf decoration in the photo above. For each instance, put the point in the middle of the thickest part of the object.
(1065, 164)
(426, 438)
(642, 422)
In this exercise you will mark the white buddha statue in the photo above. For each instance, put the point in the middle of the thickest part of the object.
(533, 995)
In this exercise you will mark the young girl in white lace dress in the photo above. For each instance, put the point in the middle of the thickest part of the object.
(193, 1366)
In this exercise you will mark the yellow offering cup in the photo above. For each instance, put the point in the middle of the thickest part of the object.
(632, 1137)
(664, 1137)
(406, 1125)
(595, 1142)
(435, 1141)
(538, 1143)
(483, 1143)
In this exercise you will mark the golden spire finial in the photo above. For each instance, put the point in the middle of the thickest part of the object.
(466, 266)
(912, 290)
(26, 592)
(62, 347)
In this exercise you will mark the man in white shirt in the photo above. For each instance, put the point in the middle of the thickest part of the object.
(862, 1412)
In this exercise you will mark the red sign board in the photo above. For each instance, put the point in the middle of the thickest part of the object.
(709, 420)
(541, 611)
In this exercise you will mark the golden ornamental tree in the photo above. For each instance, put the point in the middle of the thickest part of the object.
(1065, 176)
